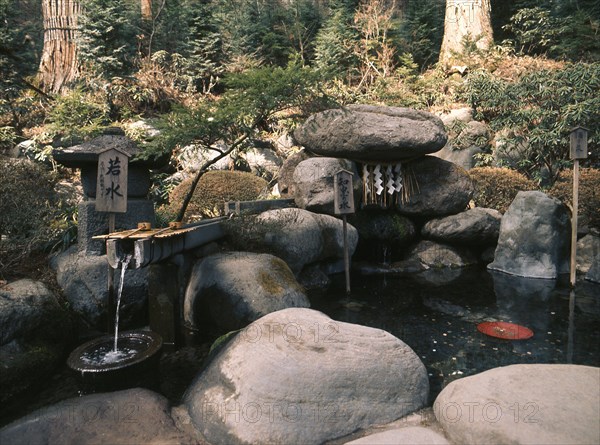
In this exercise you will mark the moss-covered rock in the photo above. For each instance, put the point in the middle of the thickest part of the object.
(227, 291)
(380, 230)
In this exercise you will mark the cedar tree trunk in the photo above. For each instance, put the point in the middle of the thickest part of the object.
(58, 65)
(465, 17)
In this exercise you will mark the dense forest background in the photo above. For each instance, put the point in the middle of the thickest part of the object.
(230, 72)
(120, 59)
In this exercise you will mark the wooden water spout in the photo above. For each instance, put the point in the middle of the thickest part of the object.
(149, 246)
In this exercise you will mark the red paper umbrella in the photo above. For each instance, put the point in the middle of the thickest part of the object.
(507, 331)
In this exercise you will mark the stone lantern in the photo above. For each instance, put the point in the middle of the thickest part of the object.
(85, 158)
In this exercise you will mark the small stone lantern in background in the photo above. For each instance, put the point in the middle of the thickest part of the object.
(139, 207)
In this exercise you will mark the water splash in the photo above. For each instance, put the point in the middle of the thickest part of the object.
(105, 355)
(124, 263)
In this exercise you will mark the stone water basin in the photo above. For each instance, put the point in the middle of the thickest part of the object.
(101, 369)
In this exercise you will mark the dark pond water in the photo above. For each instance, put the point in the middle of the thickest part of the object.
(440, 322)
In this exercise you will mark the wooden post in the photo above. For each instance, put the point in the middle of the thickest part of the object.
(110, 303)
(343, 203)
(573, 275)
(571, 331)
(111, 197)
(578, 147)
(346, 255)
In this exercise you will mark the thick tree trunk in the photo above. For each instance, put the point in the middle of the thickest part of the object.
(58, 65)
(146, 9)
(465, 17)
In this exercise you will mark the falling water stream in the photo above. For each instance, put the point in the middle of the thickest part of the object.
(124, 265)
(103, 355)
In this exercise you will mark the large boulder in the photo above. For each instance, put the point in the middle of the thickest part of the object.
(313, 183)
(28, 309)
(383, 226)
(83, 279)
(534, 404)
(413, 435)
(295, 235)
(476, 226)
(594, 273)
(236, 288)
(440, 264)
(463, 115)
(263, 162)
(437, 255)
(464, 157)
(285, 179)
(588, 252)
(124, 417)
(298, 377)
(332, 230)
(439, 188)
(534, 237)
(466, 140)
(372, 133)
(34, 332)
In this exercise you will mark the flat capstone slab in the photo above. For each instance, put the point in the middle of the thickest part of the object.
(86, 154)
(371, 133)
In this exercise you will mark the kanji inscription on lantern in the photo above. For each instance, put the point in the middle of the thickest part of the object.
(343, 201)
(579, 143)
(111, 185)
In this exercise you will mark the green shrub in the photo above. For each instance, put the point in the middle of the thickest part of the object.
(77, 114)
(28, 209)
(538, 110)
(214, 188)
(589, 194)
(7, 137)
(495, 188)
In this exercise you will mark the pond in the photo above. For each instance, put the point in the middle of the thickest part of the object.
(439, 322)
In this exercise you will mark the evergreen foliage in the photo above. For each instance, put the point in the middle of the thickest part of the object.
(560, 29)
(421, 31)
(203, 52)
(335, 41)
(538, 111)
(215, 188)
(251, 102)
(496, 188)
(20, 41)
(107, 37)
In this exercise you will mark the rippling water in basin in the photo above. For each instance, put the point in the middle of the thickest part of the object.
(105, 354)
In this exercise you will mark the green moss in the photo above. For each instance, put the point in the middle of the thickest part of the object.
(277, 279)
(401, 225)
(220, 342)
(269, 283)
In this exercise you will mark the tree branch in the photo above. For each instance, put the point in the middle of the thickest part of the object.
(203, 170)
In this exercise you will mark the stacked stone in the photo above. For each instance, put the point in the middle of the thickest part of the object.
(389, 149)
(390, 144)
